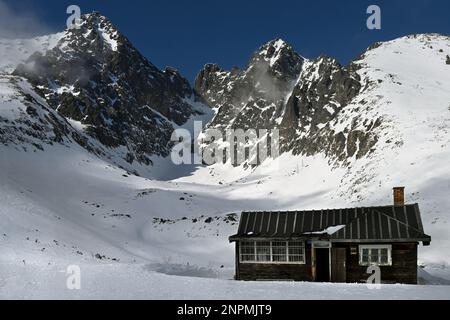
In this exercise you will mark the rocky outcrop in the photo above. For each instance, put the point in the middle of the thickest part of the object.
(253, 97)
(29, 123)
(323, 90)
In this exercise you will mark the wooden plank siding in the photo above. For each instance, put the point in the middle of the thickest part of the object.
(402, 270)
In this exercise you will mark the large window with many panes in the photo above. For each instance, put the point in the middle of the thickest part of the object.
(380, 255)
(272, 252)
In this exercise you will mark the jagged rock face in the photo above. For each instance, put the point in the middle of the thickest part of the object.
(324, 87)
(323, 90)
(280, 89)
(94, 75)
(254, 97)
(31, 123)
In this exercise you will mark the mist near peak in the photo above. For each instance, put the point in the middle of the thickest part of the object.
(20, 25)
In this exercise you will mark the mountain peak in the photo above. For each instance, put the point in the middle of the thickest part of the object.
(279, 57)
(274, 50)
(277, 43)
(94, 16)
(95, 26)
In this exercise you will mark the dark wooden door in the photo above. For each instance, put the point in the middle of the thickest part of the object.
(338, 268)
(322, 265)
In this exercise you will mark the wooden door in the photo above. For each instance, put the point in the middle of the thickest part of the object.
(338, 267)
(322, 264)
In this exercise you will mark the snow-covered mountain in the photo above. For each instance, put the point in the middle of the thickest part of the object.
(82, 110)
(97, 80)
(309, 101)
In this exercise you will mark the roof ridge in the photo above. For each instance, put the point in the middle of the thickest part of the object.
(346, 208)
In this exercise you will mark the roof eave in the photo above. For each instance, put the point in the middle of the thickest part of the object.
(236, 237)
(425, 241)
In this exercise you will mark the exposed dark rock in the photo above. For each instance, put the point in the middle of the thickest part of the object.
(208, 220)
(240, 95)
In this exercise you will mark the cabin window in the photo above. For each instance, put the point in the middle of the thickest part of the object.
(375, 255)
(263, 251)
(247, 251)
(279, 251)
(296, 251)
(272, 252)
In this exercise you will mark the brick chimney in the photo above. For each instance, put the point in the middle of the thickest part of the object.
(399, 196)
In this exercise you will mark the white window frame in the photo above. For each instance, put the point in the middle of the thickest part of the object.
(379, 247)
(255, 259)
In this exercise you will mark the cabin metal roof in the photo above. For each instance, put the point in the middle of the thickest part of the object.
(363, 224)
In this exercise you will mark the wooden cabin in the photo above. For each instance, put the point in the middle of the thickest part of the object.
(336, 245)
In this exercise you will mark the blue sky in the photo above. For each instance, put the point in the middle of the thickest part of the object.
(188, 34)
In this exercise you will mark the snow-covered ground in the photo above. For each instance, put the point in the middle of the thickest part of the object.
(128, 281)
(70, 208)
(165, 235)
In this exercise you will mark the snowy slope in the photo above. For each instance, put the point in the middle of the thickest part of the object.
(66, 206)
(82, 206)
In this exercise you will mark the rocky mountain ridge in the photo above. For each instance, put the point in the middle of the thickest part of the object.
(302, 98)
(95, 77)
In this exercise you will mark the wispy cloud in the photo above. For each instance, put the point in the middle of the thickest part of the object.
(23, 24)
